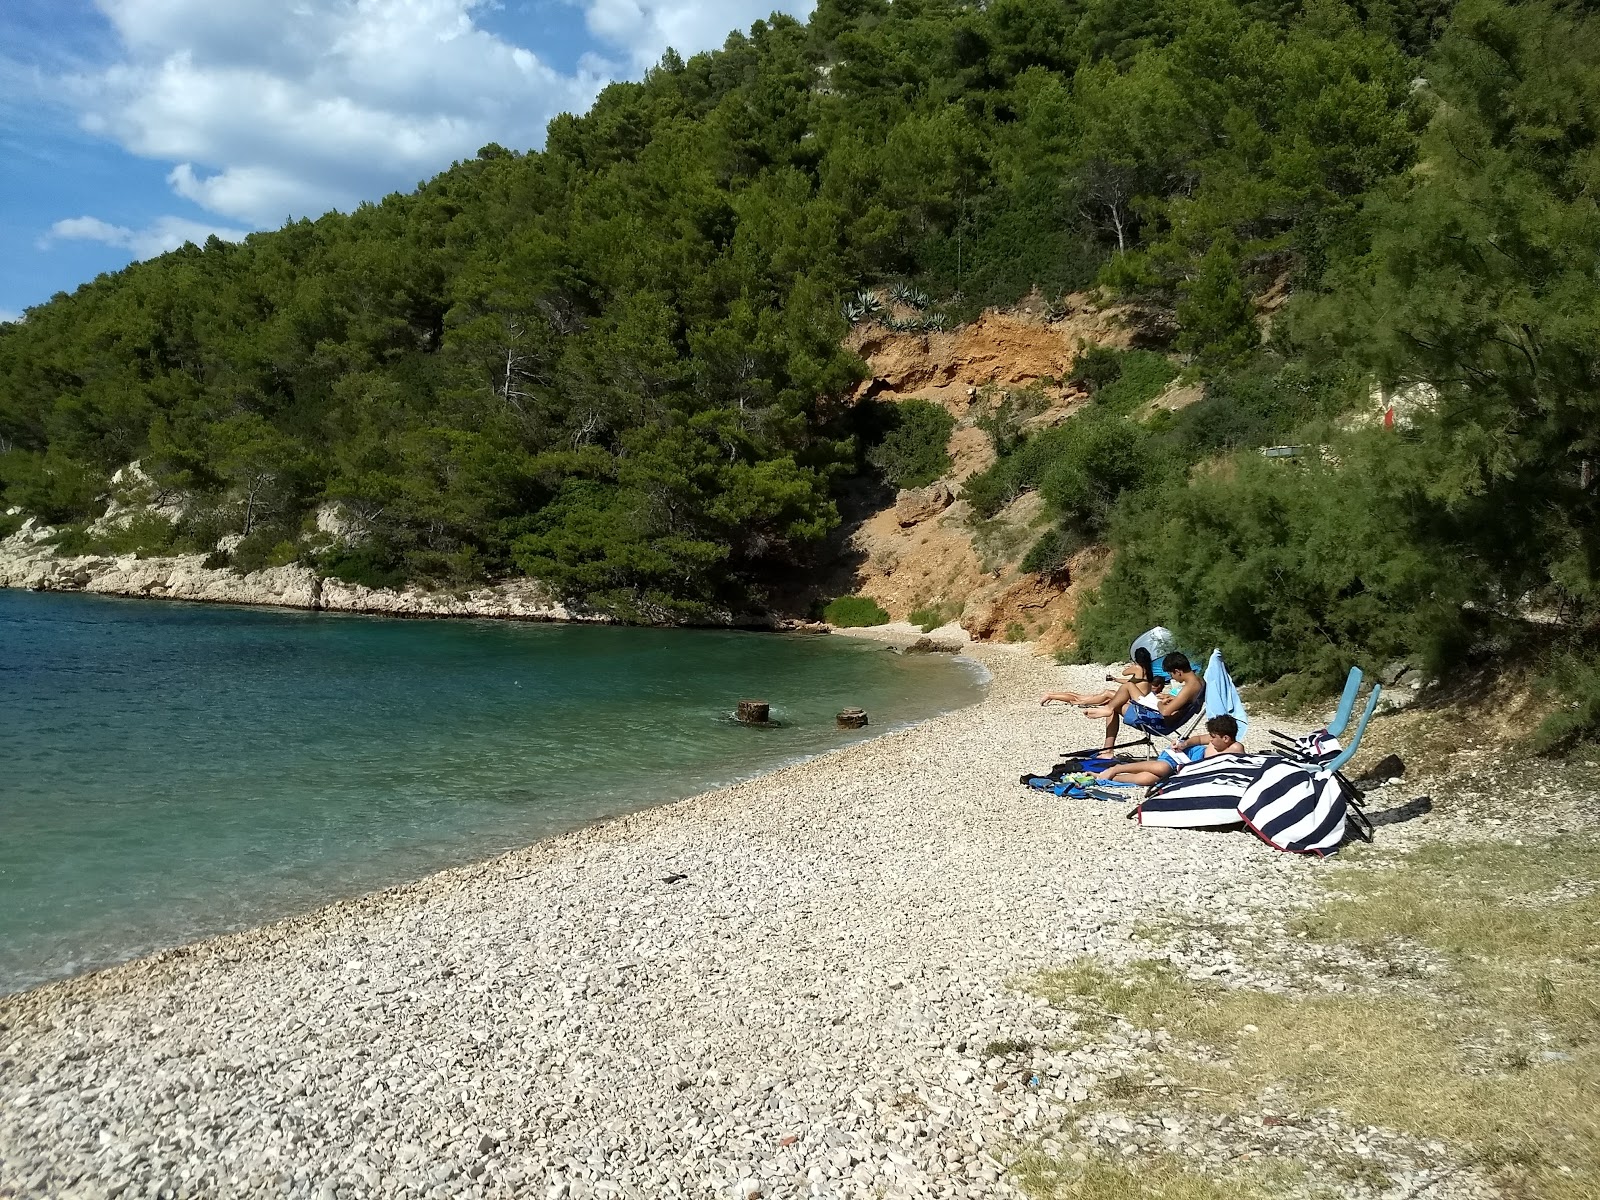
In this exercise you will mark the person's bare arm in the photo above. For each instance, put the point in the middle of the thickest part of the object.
(1168, 705)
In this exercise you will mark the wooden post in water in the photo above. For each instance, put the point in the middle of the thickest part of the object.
(852, 718)
(753, 712)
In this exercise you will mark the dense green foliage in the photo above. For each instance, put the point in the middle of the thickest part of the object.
(1122, 381)
(854, 612)
(1476, 302)
(913, 451)
(617, 364)
(1082, 465)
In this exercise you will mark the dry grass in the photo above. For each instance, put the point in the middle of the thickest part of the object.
(1499, 1058)
(1162, 1179)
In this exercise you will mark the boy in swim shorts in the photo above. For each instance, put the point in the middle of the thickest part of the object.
(1221, 737)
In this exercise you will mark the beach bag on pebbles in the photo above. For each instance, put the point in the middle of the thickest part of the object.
(1296, 810)
(1205, 795)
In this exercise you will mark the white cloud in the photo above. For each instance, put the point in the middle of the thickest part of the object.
(161, 235)
(272, 109)
(645, 28)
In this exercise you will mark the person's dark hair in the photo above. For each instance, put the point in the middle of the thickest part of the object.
(1224, 725)
(1176, 662)
(1141, 659)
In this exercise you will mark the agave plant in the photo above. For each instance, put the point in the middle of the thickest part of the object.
(867, 300)
(916, 298)
(852, 312)
(938, 322)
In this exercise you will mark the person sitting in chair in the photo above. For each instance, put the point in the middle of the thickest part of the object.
(1221, 737)
(1154, 712)
(1139, 676)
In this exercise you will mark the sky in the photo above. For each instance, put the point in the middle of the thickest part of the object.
(128, 127)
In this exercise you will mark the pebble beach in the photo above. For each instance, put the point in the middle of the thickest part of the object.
(781, 988)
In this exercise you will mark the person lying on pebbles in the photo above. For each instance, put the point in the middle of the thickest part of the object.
(1137, 678)
(1221, 737)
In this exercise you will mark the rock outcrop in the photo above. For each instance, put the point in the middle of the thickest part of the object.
(28, 560)
(929, 551)
(914, 505)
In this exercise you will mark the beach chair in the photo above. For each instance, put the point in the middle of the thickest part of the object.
(1170, 730)
(1335, 765)
(1217, 696)
(1360, 824)
(1322, 743)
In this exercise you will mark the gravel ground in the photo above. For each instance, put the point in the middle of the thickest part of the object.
(785, 987)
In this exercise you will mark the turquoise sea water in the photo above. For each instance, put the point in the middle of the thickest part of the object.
(169, 771)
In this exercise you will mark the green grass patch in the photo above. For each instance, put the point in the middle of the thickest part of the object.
(1048, 1178)
(1006, 1047)
(933, 616)
(854, 612)
(1500, 1059)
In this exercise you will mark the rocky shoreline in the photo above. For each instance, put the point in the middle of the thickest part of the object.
(28, 561)
(788, 987)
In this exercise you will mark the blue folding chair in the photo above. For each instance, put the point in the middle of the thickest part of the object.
(1349, 751)
(1284, 743)
(1355, 812)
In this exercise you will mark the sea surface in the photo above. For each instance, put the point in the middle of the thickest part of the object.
(170, 771)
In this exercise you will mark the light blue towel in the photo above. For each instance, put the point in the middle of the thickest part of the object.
(1221, 696)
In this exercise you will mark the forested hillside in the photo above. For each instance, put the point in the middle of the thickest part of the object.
(617, 364)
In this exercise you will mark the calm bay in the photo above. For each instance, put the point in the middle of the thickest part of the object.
(171, 771)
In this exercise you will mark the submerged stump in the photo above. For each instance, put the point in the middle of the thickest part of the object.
(852, 718)
(753, 712)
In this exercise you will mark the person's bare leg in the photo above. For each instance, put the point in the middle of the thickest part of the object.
(1113, 706)
(1145, 778)
(1113, 724)
(1079, 697)
(1142, 773)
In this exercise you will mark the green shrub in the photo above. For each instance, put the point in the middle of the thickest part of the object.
(369, 565)
(854, 612)
(1214, 314)
(932, 616)
(1289, 566)
(1258, 407)
(1143, 377)
(1574, 685)
(51, 486)
(1096, 367)
(991, 489)
(72, 540)
(914, 452)
(144, 534)
(1050, 552)
(268, 546)
(1096, 458)
(1080, 467)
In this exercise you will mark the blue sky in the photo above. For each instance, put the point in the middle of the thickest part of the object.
(130, 126)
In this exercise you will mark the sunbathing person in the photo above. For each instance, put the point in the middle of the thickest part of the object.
(1157, 712)
(1221, 737)
(1138, 675)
